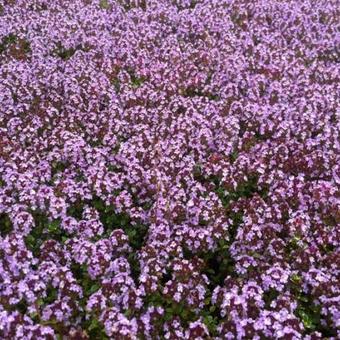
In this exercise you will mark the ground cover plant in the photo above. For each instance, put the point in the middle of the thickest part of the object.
(169, 169)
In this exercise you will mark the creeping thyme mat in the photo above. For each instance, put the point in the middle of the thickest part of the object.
(169, 169)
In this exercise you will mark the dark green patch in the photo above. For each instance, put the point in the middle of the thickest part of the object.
(44, 230)
(5, 225)
(269, 296)
(211, 321)
(198, 173)
(292, 245)
(7, 41)
(95, 329)
(135, 80)
(51, 295)
(310, 315)
(75, 210)
(58, 167)
(134, 266)
(172, 309)
(233, 156)
(22, 46)
(244, 190)
(21, 307)
(112, 220)
(218, 264)
(209, 314)
(195, 92)
(308, 311)
(237, 219)
(67, 53)
(88, 285)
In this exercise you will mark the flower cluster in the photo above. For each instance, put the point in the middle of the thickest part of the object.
(169, 169)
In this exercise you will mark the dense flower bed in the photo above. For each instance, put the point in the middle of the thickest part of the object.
(169, 169)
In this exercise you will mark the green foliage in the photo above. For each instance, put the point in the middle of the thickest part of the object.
(310, 318)
(197, 173)
(179, 309)
(108, 216)
(269, 296)
(211, 322)
(135, 80)
(76, 210)
(7, 41)
(95, 329)
(307, 310)
(5, 224)
(51, 295)
(310, 314)
(44, 230)
(209, 313)
(292, 245)
(219, 263)
(92, 325)
(12, 39)
(237, 219)
(104, 4)
(195, 92)
(233, 156)
(128, 5)
(172, 308)
(112, 220)
(21, 306)
(57, 167)
(67, 53)
(88, 285)
(244, 190)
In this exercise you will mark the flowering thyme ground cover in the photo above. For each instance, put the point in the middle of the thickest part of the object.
(169, 169)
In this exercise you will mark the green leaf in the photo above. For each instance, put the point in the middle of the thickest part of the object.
(104, 4)
(99, 205)
(306, 319)
(94, 324)
(34, 316)
(51, 294)
(132, 233)
(167, 316)
(40, 302)
(94, 288)
(54, 226)
(207, 300)
(128, 313)
(233, 156)
(30, 240)
(5, 224)
(303, 298)
(295, 278)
